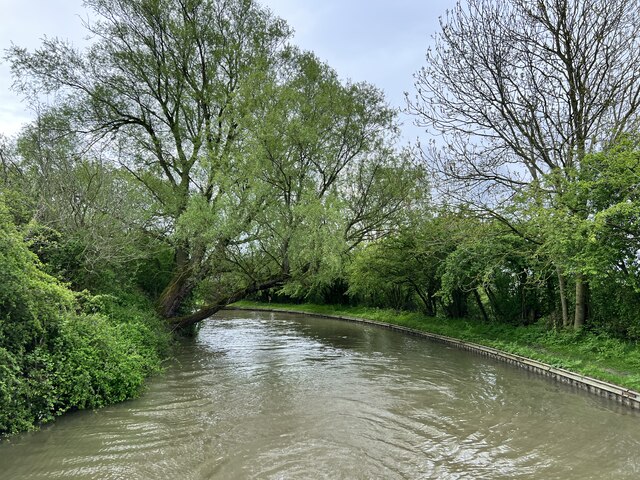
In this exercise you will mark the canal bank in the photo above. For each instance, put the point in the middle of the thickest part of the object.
(620, 394)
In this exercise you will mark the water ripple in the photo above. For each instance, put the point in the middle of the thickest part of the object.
(265, 396)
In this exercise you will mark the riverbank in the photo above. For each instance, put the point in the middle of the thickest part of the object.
(98, 354)
(583, 353)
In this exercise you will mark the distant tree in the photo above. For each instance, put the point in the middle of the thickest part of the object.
(406, 268)
(520, 90)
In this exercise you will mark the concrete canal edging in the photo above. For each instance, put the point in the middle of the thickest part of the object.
(623, 396)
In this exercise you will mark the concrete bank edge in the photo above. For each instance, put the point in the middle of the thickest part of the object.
(621, 395)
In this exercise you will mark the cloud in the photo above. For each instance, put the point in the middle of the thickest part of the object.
(25, 24)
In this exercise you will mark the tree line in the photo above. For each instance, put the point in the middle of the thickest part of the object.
(537, 103)
(255, 165)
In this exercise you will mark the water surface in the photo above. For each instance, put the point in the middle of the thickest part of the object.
(291, 397)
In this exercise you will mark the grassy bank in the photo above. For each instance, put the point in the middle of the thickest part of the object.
(586, 353)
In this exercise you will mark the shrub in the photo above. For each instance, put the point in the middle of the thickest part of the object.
(61, 351)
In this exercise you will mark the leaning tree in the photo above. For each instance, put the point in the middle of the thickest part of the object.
(264, 167)
(520, 92)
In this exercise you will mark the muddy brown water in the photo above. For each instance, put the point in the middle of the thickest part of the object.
(280, 396)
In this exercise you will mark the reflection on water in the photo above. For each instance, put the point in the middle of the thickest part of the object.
(280, 396)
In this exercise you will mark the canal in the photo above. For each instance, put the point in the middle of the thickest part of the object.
(281, 396)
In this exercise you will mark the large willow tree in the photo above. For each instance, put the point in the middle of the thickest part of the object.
(521, 92)
(264, 167)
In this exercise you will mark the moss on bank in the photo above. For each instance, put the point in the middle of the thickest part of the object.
(583, 352)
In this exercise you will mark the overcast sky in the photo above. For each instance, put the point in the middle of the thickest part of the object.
(379, 41)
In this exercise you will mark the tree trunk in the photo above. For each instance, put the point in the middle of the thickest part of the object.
(457, 308)
(208, 310)
(434, 301)
(527, 313)
(426, 301)
(180, 287)
(497, 313)
(582, 291)
(174, 296)
(562, 286)
(480, 305)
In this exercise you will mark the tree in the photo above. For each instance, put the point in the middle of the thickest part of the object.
(604, 243)
(395, 272)
(499, 269)
(317, 178)
(250, 149)
(405, 269)
(83, 217)
(523, 89)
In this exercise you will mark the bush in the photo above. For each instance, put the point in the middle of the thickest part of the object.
(61, 351)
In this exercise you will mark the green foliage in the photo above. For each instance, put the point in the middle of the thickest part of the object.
(31, 301)
(403, 271)
(455, 263)
(246, 158)
(102, 361)
(378, 278)
(513, 266)
(61, 351)
(153, 273)
(591, 229)
(84, 217)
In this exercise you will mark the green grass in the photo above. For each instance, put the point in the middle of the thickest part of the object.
(586, 353)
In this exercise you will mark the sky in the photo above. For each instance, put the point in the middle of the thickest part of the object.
(382, 42)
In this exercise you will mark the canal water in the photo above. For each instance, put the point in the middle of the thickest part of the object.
(278, 396)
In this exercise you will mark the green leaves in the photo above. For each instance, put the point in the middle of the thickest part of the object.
(249, 158)
(54, 357)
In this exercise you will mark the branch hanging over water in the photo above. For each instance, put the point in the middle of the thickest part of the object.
(208, 310)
